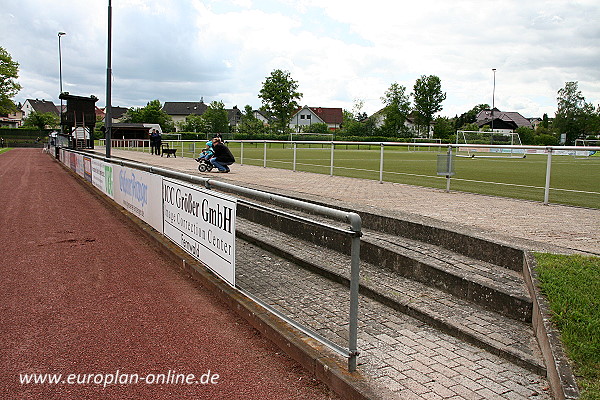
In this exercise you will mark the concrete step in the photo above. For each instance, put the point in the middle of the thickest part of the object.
(488, 285)
(501, 335)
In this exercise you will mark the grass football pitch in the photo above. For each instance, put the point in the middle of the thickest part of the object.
(573, 181)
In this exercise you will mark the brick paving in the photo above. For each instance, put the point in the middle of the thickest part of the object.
(401, 355)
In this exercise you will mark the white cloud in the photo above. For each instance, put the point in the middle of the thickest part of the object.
(337, 50)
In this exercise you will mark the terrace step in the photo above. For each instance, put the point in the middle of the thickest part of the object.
(488, 285)
(496, 333)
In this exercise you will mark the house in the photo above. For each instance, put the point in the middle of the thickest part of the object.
(116, 113)
(332, 117)
(179, 110)
(234, 116)
(265, 117)
(39, 106)
(502, 121)
(12, 120)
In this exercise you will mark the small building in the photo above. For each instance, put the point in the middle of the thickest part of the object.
(505, 121)
(39, 106)
(332, 117)
(78, 120)
(13, 119)
(179, 110)
(116, 113)
(126, 130)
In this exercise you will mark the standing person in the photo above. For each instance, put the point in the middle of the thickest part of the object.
(152, 141)
(222, 157)
(158, 141)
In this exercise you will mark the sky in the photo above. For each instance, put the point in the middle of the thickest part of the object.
(341, 52)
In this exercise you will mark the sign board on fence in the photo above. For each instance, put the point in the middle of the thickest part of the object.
(201, 222)
(139, 193)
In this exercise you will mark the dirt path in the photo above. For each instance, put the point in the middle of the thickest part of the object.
(83, 294)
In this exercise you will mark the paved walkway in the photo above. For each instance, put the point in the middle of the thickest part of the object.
(84, 294)
(532, 224)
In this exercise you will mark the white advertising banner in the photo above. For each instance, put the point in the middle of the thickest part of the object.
(202, 223)
(102, 177)
(139, 192)
(79, 165)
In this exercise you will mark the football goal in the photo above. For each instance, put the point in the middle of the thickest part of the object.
(489, 138)
(431, 145)
(585, 154)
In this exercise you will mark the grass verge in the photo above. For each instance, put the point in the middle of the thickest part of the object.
(572, 285)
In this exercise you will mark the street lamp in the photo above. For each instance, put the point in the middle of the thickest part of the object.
(493, 102)
(60, 75)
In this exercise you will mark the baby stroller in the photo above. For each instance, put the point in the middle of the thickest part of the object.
(205, 165)
(203, 159)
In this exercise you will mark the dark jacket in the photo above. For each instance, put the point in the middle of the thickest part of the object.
(222, 153)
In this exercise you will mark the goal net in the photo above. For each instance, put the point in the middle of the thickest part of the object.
(586, 143)
(507, 139)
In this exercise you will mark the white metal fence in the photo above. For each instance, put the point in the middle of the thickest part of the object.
(191, 148)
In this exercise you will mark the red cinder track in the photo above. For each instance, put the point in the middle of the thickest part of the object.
(83, 293)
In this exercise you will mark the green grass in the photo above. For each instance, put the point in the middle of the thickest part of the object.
(573, 181)
(4, 149)
(572, 286)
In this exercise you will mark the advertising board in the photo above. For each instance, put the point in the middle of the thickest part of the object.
(139, 193)
(202, 223)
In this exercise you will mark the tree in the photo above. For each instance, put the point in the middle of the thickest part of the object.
(574, 115)
(151, 114)
(280, 97)
(470, 117)
(428, 96)
(545, 122)
(443, 128)
(41, 121)
(216, 117)
(193, 123)
(318, 127)
(249, 124)
(9, 71)
(397, 107)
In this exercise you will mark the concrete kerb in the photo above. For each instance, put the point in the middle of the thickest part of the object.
(559, 371)
(320, 361)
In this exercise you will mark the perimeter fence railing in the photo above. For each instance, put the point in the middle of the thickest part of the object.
(352, 231)
(567, 174)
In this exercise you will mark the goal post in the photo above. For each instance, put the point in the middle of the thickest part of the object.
(586, 143)
(489, 138)
(428, 144)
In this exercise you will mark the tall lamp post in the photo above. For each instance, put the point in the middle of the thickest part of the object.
(108, 110)
(493, 101)
(60, 76)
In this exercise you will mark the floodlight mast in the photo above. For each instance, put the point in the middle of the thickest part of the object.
(493, 100)
(60, 77)
(107, 113)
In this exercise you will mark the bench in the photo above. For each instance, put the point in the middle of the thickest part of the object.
(168, 151)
